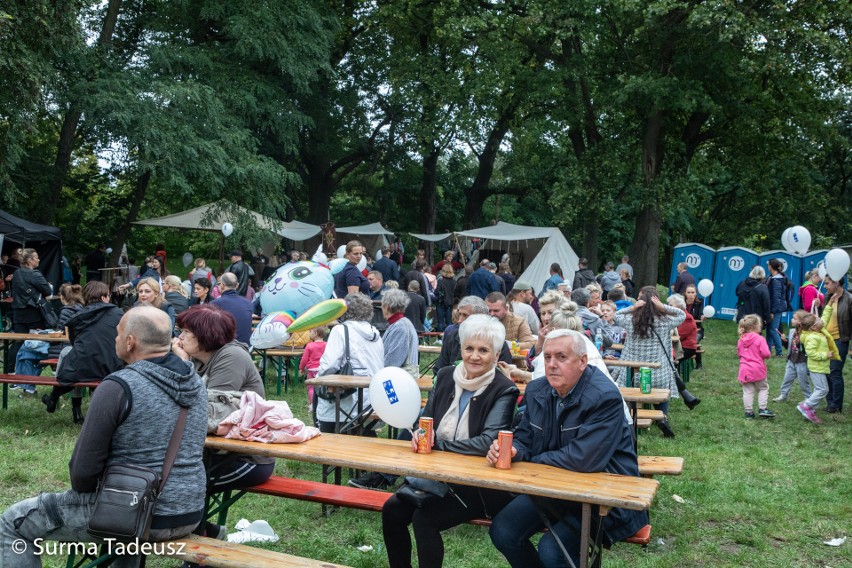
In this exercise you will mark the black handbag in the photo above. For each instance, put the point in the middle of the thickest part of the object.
(420, 492)
(127, 495)
(345, 369)
(47, 314)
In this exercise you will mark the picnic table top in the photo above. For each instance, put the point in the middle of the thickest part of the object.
(56, 336)
(357, 382)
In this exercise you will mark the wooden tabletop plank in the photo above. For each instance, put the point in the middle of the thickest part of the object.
(285, 352)
(396, 457)
(631, 364)
(635, 394)
(61, 337)
(212, 552)
(358, 382)
(433, 349)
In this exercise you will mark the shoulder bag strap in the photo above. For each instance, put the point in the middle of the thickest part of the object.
(346, 344)
(174, 443)
(668, 356)
(407, 348)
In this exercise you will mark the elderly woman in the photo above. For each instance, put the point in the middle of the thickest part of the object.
(648, 324)
(92, 357)
(687, 330)
(207, 338)
(469, 405)
(366, 355)
(400, 338)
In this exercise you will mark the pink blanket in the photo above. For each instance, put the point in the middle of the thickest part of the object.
(268, 421)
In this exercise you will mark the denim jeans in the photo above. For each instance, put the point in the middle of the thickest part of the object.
(773, 335)
(796, 371)
(820, 390)
(835, 378)
(59, 517)
(512, 528)
(445, 316)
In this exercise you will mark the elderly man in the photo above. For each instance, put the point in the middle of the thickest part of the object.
(131, 418)
(241, 270)
(236, 305)
(417, 309)
(451, 346)
(840, 328)
(683, 280)
(522, 297)
(482, 282)
(516, 327)
(574, 420)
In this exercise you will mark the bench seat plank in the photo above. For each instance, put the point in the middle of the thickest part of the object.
(42, 381)
(660, 465)
(211, 552)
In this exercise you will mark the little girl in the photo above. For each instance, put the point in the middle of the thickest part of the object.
(753, 351)
(312, 355)
(820, 348)
(797, 361)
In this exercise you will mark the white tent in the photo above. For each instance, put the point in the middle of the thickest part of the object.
(194, 219)
(372, 236)
(533, 248)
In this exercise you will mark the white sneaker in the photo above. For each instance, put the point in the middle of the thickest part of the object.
(780, 398)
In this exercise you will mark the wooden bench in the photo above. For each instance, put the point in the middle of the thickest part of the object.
(7, 380)
(650, 414)
(211, 552)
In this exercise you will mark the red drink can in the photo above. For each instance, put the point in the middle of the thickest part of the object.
(504, 442)
(424, 443)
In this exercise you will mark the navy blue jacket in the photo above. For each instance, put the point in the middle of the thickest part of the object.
(777, 293)
(388, 268)
(589, 433)
(481, 283)
(241, 309)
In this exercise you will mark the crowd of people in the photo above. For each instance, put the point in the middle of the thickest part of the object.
(183, 336)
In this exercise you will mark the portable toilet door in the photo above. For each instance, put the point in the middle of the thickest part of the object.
(791, 265)
(699, 258)
(732, 266)
(810, 262)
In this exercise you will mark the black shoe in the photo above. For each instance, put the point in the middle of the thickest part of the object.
(49, 402)
(370, 481)
(667, 430)
(834, 410)
(689, 399)
(77, 413)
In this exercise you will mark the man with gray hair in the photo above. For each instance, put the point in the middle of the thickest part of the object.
(236, 305)
(574, 420)
(416, 310)
(131, 418)
(451, 346)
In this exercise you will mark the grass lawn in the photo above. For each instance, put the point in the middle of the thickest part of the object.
(756, 492)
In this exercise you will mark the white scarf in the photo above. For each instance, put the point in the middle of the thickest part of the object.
(453, 426)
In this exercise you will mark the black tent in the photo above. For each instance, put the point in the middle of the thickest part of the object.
(16, 232)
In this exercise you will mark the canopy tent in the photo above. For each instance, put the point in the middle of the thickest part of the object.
(432, 238)
(47, 241)
(372, 236)
(194, 219)
(533, 249)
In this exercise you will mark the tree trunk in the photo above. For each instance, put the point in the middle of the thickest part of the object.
(428, 194)
(123, 232)
(71, 121)
(645, 249)
(591, 232)
(320, 190)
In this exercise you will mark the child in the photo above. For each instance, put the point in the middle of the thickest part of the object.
(753, 352)
(616, 332)
(821, 349)
(311, 357)
(797, 366)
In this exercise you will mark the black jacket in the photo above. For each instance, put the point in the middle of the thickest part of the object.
(490, 412)
(753, 298)
(583, 278)
(27, 286)
(65, 315)
(178, 302)
(92, 332)
(416, 310)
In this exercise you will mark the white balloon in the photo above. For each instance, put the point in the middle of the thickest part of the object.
(705, 287)
(187, 258)
(378, 254)
(227, 229)
(821, 269)
(800, 239)
(395, 397)
(337, 264)
(109, 250)
(362, 264)
(785, 240)
(341, 251)
(709, 311)
(836, 263)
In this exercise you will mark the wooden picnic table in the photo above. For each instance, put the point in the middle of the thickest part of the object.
(282, 356)
(395, 457)
(6, 338)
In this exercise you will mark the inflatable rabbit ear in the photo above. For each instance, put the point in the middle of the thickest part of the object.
(337, 265)
(321, 314)
(320, 257)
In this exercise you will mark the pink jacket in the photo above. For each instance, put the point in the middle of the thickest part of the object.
(259, 420)
(311, 358)
(753, 352)
(809, 293)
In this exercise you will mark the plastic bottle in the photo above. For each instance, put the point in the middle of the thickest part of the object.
(598, 340)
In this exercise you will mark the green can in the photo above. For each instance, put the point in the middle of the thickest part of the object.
(645, 380)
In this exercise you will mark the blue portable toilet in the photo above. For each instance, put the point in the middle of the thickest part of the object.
(699, 258)
(810, 262)
(792, 267)
(732, 266)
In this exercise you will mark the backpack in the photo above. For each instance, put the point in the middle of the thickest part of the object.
(789, 292)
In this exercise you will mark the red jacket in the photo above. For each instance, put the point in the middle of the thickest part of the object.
(688, 332)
